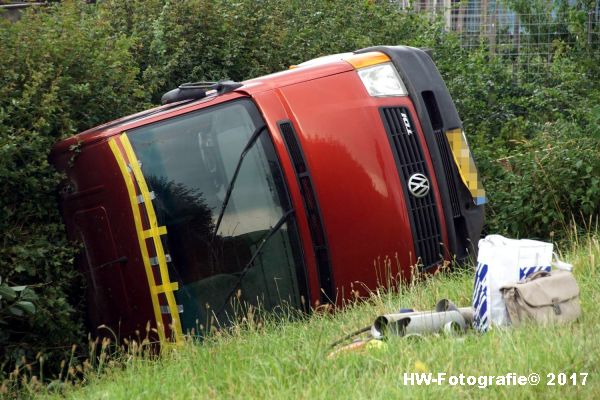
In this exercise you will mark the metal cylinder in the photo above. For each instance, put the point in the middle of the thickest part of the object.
(417, 322)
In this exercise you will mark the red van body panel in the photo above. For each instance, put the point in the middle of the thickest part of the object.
(363, 207)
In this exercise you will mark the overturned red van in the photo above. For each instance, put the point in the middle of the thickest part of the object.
(299, 188)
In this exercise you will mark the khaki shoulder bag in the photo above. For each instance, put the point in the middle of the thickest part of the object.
(544, 298)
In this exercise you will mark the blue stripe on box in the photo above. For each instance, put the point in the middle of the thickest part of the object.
(524, 272)
(480, 296)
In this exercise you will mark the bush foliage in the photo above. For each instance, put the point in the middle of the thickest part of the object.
(63, 70)
(68, 67)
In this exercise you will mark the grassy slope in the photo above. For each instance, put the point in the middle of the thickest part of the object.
(288, 360)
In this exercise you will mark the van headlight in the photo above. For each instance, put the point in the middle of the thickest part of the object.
(382, 80)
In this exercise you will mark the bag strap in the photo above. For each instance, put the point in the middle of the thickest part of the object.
(559, 264)
(536, 275)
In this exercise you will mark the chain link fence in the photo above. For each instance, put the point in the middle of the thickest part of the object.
(529, 39)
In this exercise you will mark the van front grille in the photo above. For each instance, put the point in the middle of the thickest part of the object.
(422, 211)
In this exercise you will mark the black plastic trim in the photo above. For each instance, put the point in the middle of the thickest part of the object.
(313, 212)
(198, 90)
(446, 153)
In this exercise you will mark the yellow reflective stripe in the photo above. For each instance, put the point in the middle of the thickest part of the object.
(139, 229)
(152, 232)
(466, 165)
(153, 221)
(167, 287)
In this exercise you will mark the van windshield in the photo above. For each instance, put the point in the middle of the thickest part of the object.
(188, 162)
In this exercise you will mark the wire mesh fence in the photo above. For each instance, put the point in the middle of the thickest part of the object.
(531, 39)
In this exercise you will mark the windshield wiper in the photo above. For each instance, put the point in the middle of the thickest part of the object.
(243, 272)
(251, 141)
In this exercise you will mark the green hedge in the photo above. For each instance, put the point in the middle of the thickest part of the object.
(63, 71)
(68, 67)
(549, 187)
(210, 40)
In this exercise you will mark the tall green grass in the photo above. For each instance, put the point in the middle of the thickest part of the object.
(278, 358)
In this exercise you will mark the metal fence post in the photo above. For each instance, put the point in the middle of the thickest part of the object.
(590, 27)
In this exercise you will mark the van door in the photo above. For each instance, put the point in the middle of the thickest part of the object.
(219, 191)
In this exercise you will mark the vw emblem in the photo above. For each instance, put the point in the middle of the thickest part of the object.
(418, 185)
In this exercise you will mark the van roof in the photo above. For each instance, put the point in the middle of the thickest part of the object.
(249, 87)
